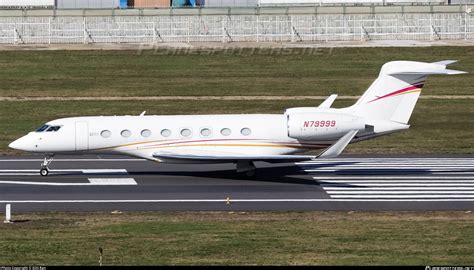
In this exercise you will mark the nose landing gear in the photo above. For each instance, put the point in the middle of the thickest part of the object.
(44, 166)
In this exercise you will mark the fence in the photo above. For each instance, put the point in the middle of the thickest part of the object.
(236, 28)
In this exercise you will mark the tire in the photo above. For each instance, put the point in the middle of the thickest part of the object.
(250, 174)
(44, 172)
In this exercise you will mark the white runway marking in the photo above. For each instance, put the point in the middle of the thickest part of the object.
(94, 171)
(19, 174)
(397, 188)
(389, 161)
(395, 177)
(74, 159)
(373, 180)
(328, 184)
(394, 170)
(398, 166)
(402, 196)
(30, 172)
(92, 182)
(401, 192)
(392, 161)
(238, 200)
(394, 167)
(112, 181)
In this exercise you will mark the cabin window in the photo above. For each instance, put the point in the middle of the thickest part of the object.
(146, 133)
(186, 132)
(245, 131)
(126, 133)
(205, 132)
(166, 133)
(105, 133)
(226, 131)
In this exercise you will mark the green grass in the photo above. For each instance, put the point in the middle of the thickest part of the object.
(438, 126)
(346, 71)
(228, 238)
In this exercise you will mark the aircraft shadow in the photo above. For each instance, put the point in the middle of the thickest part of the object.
(282, 174)
(291, 174)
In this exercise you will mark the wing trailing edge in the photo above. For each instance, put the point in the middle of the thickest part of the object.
(217, 157)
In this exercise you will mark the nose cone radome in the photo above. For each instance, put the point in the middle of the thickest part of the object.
(20, 144)
(15, 144)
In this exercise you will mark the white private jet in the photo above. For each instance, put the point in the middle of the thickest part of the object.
(242, 139)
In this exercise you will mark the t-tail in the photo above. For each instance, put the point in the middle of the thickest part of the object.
(389, 102)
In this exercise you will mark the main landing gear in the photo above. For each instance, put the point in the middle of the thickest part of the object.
(44, 166)
(246, 167)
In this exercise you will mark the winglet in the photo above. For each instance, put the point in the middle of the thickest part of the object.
(339, 146)
(328, 102)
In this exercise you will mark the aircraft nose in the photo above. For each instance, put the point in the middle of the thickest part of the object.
(15, 144)
(20, 144)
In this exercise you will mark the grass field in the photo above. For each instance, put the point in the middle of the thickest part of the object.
(346, 71)
(217, 238)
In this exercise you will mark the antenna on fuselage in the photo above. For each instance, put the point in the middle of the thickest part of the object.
(143, 113)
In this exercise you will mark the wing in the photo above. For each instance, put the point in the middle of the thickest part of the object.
(206, 156)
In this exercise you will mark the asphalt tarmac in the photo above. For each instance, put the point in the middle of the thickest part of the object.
(91, 183)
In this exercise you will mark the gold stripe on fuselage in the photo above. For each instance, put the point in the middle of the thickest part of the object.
(239, 144)
(188, 144)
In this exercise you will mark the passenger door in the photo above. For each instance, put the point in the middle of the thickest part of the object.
(82, 136)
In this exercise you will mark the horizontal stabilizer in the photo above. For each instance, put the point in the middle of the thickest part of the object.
(427, 72)
(418, 68)
(445, 62)
(454, 72)
(339, 146)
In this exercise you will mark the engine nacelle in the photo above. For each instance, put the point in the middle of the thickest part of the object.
(315, 126)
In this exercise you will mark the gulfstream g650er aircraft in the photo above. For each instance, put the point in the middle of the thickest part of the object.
(242, 139)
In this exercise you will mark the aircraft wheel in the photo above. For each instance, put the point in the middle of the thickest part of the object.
(44, 172)
(250, 173)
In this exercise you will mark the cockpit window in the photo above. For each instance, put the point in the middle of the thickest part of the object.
(53, 128)
(42, 128)
(48, 128)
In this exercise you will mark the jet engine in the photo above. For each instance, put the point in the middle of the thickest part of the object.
(315, 126)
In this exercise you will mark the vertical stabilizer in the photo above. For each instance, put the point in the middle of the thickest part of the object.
(393, 95)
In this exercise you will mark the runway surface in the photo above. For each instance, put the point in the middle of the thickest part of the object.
(93, 183)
